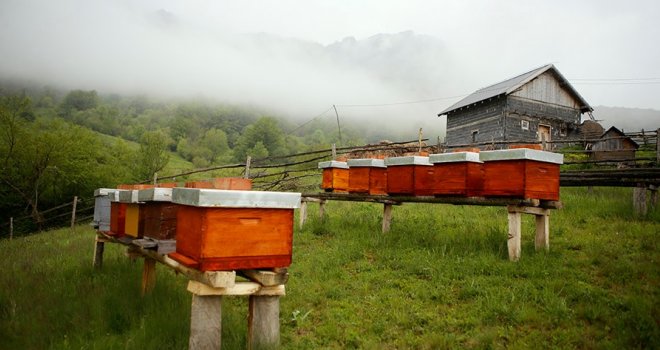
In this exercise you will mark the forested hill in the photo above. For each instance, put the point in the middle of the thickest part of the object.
(58, 144)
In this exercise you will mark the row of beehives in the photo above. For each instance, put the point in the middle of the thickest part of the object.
(213, 229)
(518, 173)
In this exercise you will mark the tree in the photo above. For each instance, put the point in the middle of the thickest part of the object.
(79, 100)
(153, 156)
(216, 141)
(264, 130)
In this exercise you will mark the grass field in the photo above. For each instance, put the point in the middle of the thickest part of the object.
(439, 279)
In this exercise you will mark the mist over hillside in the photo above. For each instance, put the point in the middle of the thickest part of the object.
(627, 119)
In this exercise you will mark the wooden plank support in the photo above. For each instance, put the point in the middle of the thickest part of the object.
(387, 217)
(148, 276)
(266, 278)
(264, 322)
(513, 242)
(205, 322)
(322, 209)
(542, 240)
(239, 288)
(639, 200)
(302, 214)
(99, 247)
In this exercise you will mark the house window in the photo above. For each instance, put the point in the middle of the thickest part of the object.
(524, 124)
(474, 136)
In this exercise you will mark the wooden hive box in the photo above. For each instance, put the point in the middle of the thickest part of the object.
(367, 176)
(158, 213)
(521, 173)
(134, 225)
(457, 174)
(117, 215)
(219, 230)
(102, 208)
(410, 175)
(232, 183)
(335, 176)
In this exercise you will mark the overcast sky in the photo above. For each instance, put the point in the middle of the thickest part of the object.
(187, 48)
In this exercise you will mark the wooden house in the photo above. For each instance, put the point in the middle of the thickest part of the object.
(534, 106)
(615, 146)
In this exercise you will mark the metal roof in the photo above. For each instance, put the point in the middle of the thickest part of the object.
(511, 85)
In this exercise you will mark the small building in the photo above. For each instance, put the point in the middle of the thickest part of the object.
(615, 146)
(534, 106)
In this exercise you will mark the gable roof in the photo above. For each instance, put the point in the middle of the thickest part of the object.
(620, 133)
(511, 85)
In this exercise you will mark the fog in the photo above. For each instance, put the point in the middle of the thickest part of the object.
(299, 58)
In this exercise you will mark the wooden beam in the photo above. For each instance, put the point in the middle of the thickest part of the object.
(240, 288)
(527, 210)
(99, 247)
(513, 242)
(322, 209)
(205, 322)
(302, 214)
(639, 201)
(542, 240)
(387, 217)
(266, 278)
(264, 322)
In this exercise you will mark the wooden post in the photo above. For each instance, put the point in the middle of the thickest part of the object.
(654, 196)
(334, 151)
(73, 213)
(322, 209)
(387, 217)
(639, 200)
(148, 276)
(155, 179)
(247, 167)
(657, 146)
(420, 140)
(264, 322)
(542, 240)
(513, 242)
(11, 228)
(205, 322)
(99, 246)
(302, 214)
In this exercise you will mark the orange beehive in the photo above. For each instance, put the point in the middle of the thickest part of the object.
(222, 183)
(117, 215)
(367, 176)
(521, 173)
(227, 230)
(335, 176)
(457, 174)
(411, 175)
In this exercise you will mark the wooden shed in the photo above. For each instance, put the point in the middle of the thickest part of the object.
(537, 105)
(615, 146)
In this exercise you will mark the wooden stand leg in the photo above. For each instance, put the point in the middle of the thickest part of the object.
(205, 322)
(322, 209)
(264, 322)
(303, 214)
(542, 232)
(654, 198)
(514, 235)
(148, 276)
(639, 200)
(387, 217)
(99, 246)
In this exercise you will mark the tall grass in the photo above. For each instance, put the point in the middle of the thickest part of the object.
(439, 279)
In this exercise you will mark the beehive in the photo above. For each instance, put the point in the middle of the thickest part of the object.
(457, 174)
(117, 215)
(158, 213)
(335, 176)
(367, 176)
(102, 211)
(133, 221)
(411, 175)
(227, 230)
(521, 173)
(223, 183)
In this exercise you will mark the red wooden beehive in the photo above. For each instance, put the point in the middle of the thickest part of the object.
(457, 174)
(158, 213)
(335, 176)
(411, 175)
(220, 230)
(117, 215)
(367, 176)
(521, 173)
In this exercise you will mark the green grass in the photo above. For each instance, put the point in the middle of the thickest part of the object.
(439, 279)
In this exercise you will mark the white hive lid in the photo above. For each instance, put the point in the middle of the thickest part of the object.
(157, 194)
(455, 157)
(333, 164)
(200, 197)
(522, 154)
(128, 196)
(366, 162)
(408, 160)
(104, 191)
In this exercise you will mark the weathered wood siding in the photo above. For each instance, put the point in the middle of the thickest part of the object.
(543, 110)
(559, 130)
(485, 118)
(547, 88)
